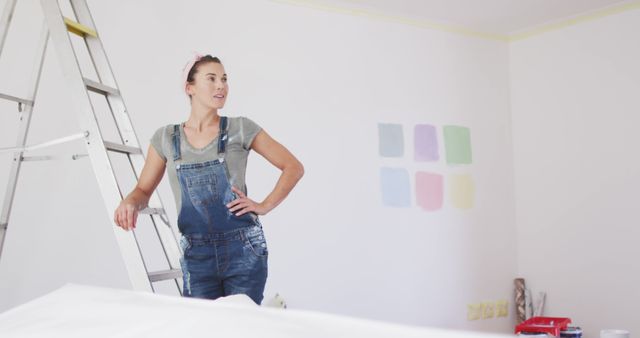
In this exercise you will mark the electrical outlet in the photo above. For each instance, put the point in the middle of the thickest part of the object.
(502, 308)
(474, 311)
(488, 310)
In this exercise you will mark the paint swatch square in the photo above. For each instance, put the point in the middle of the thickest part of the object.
(425, 143)
(395, 186)
(390, 140)
(474, 311)
(457, 143)
(502, 308)
(462, 191)
(429, 190)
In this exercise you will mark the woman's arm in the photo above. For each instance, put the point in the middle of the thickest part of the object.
(126, 214)
(280, 157)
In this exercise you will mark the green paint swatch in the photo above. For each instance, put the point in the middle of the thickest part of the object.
(457, 144)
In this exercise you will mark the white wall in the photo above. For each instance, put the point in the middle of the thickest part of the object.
(575, 125)
(318, 82)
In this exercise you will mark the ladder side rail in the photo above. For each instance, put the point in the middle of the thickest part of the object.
(5, 21)
(103, 68)
(99, 158)
(23, 130)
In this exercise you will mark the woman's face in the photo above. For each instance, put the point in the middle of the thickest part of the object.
(209, 87)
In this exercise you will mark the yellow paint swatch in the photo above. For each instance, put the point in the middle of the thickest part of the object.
(474, 311)
(488, 310)
(502, 308)
(462, 191)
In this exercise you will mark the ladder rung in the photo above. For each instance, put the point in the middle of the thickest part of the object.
(79, 29)
(16, 99)
(52, 158)
(165, 275)
(77, 156)
(152, 211)
(46, 144)
(100, 88)
(121, 148)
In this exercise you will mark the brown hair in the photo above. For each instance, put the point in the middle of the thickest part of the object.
(203, 60)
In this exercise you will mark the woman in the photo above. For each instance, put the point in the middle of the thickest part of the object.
(224, 248)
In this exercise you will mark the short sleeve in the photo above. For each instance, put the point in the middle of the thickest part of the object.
(157, 141)
(248, 130)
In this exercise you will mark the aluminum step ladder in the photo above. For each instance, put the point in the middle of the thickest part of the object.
(57, 27)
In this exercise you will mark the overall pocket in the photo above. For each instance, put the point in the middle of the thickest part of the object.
(254, 239)
(202, 189)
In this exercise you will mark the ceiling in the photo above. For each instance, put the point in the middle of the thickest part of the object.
(489, 16)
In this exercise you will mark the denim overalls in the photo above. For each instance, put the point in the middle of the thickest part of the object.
(223, 254)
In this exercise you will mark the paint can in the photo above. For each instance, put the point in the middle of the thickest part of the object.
(571, 332)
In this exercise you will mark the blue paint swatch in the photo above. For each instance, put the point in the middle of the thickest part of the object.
(390, 140)
(396, 188)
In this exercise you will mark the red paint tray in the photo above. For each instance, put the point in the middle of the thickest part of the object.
(550, 325)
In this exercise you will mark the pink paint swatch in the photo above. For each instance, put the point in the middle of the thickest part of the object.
(429, 190)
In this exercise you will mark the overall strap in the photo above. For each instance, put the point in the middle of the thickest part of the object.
(222, 140)
(175, 137)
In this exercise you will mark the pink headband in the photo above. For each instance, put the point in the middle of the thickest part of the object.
(185, 71)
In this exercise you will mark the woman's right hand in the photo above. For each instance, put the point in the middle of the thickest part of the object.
(126, 215)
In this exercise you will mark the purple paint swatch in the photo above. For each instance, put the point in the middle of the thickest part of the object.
(425, 143)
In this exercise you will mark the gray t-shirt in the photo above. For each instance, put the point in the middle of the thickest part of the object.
(241, 132)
